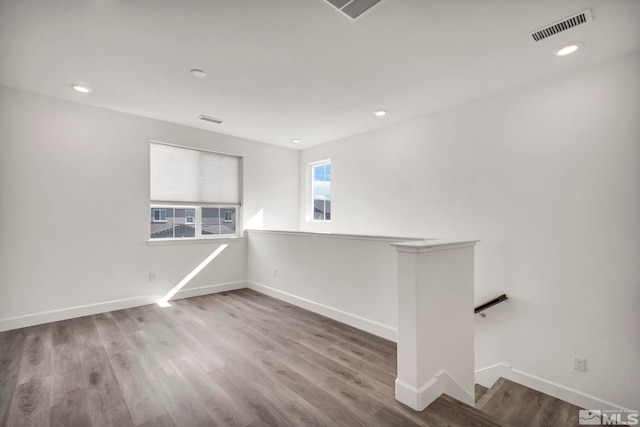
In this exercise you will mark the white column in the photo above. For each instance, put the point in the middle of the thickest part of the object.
(435, 321)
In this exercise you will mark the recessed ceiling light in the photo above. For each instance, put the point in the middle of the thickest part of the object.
(568, 49)
(81, 89)
(380, 113)
(295, 141)
(198, 73)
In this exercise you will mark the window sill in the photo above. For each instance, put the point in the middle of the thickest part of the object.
(190, 241)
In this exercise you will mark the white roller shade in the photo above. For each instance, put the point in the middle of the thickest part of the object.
(187, 175)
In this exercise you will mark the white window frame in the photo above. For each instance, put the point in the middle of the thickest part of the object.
(197, 208)
(311, 200)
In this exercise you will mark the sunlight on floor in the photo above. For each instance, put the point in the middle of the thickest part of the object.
(164, 302)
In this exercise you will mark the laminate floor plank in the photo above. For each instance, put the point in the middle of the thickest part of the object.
(452, 412)
(11, 349)
(137, 390)
(380, 377)
(246, 394)
(125, 321)
(227, 324)
(480, 390)
(356, 336)
(269, 324)
(62, 332)
(318, 341)
(31, 398)
(182, 401)
(177, 341)
(517, 404)
(37, 356)
(287, 402)
(153, 334)
(384, 361)
(70, 409)
(162, 421)
(113, 339)
(66, 374)
(385, 417)
(297, 358)
(219, 339)
(296, 315)
(106, 403)
(298, 410)
(236, 359)
(85, 332)
(351, 396)
(182, 317)
(31, 403)
(142, 345)
(159, 315)
(222, 408)
(319, 398)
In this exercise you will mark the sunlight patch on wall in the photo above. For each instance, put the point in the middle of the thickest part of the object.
(256, 222)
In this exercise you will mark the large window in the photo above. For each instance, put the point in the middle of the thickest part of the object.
(194, 193)
(321, 190)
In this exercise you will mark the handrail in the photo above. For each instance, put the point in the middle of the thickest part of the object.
(482, 307)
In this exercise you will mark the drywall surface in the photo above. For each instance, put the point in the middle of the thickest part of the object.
(547, 178)
(349, 278)
(74, 205)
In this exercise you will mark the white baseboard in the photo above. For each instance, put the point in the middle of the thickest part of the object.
(489, 375)
(210, 289)
(419, 398)
(351, 319)
(26, 320)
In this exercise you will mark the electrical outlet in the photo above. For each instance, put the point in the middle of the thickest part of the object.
(153, 276)
(579, 364)
(275, 271)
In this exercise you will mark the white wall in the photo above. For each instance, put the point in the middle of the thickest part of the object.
(349, 278)
(74, 207)
(547, 178)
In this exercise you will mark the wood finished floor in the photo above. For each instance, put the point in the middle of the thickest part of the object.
(519, 405)
(232, 359)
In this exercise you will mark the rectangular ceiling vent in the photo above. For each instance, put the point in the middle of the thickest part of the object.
(351, 8)
(570, 22)
(210, 119)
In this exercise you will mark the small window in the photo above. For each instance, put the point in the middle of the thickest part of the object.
(321, 191)
(159, 215)
(189, 216)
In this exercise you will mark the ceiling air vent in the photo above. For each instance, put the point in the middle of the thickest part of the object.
(210, 119)
(351, 8)
(570, 22)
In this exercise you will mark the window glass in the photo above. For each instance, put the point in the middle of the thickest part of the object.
(228, 226)
(181, 226)
(210, 221)
(321, 191)
(161, 223)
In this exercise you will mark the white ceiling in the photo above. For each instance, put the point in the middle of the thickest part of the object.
(284, 69)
